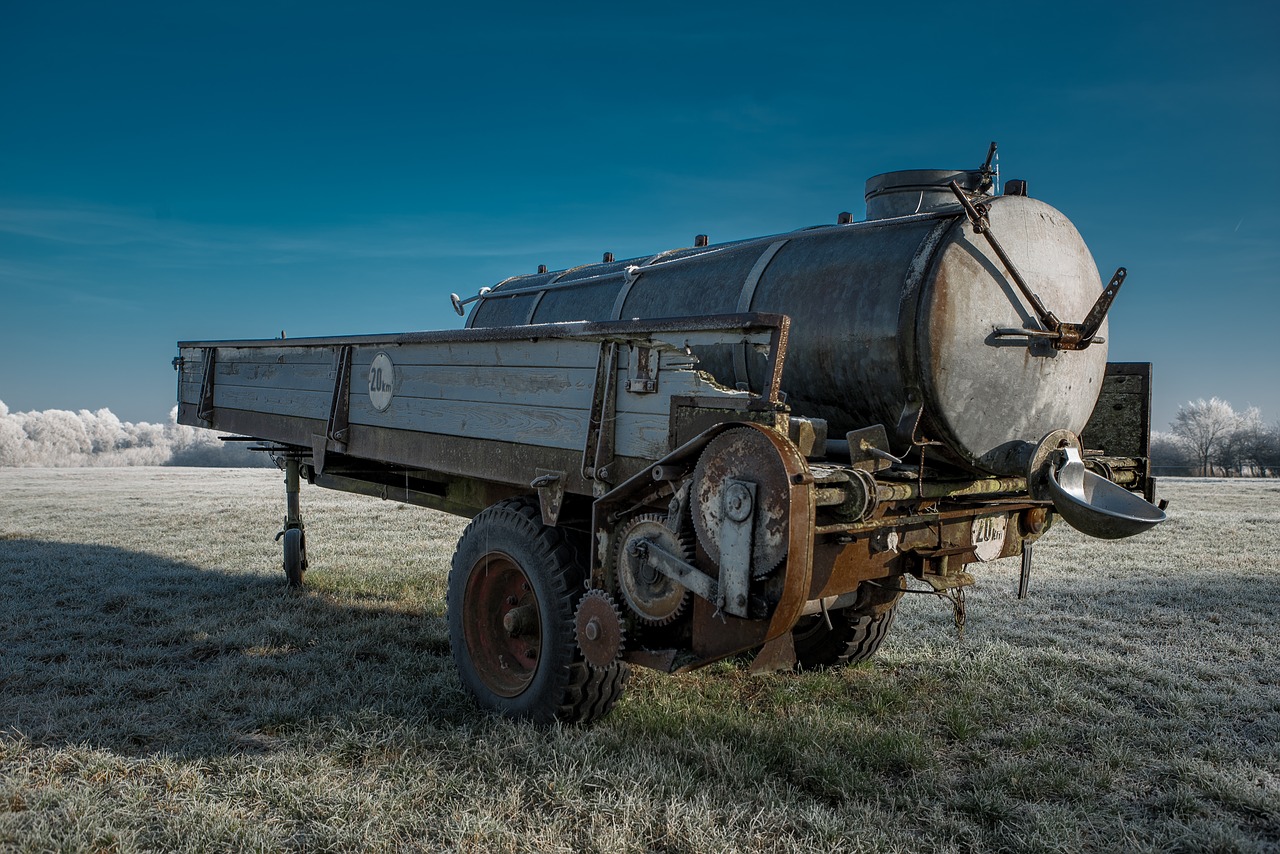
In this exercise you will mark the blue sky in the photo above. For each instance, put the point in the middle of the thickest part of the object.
(176, 171)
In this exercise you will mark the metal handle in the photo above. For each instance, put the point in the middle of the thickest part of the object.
(1063, 336)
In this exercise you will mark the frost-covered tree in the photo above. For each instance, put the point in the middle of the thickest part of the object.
(1205, 426)
(59, 437)
(1240, 448)
(1266, 455)
(1171, 455)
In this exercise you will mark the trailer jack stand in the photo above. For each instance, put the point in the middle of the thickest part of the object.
(293, 533)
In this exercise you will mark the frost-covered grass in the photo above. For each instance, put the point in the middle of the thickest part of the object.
(160, 689)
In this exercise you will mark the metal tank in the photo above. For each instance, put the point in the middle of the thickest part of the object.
(942, 316)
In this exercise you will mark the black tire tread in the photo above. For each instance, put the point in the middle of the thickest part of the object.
(587, 693)
(853, 638)
(295, 563)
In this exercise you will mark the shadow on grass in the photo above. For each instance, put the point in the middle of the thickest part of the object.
(136, 653)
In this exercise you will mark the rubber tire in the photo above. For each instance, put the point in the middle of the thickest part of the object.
(853, 637)
(294, 557)
(563, 686)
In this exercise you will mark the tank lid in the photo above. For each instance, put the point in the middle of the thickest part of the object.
(912, 191)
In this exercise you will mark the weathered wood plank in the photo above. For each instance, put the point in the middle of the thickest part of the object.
(295, 402)
(297, 355)
(642, 435)
(533, 425)
(304, 376)
(544, 353)
(569, 388)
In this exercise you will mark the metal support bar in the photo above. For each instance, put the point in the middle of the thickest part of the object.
(736, 529)
(676, 569)
(598, 451)
(1024, 579)
(1093, 320)
(205, 411)
(292, 488)
(978, 218)
(340, 406)
(550, 486)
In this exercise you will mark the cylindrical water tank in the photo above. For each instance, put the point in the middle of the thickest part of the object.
(892, 319)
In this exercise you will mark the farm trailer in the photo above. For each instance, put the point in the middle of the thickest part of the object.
(744, 447)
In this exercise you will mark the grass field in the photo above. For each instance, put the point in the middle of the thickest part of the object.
(161, 689)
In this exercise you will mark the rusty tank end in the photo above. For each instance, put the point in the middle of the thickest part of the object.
(910, 319)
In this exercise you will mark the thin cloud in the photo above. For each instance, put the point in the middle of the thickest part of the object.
(127, 234)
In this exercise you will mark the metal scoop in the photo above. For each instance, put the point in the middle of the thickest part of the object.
(1094, 505)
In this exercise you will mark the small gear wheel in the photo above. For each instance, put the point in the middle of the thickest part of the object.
(598, 629)
(653, 597)
(743, 454)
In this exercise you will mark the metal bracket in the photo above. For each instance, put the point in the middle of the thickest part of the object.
(644, 370)
(550, 486)
(778, 654)
(675, 568)
(736, 528)
(1093, 320)
(339, 426)
(869, 448)
(205, 410)
(1074, 336)
(598, 451)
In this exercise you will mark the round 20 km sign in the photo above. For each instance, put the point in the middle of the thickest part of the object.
(382, 380)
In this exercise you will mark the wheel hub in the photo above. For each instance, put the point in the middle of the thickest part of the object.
(502, 626)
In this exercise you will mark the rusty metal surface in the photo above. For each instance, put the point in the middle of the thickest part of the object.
(714, 635)
(935, 489)
(598, 629)
(743, 453)
(900, 521)
(652, 597)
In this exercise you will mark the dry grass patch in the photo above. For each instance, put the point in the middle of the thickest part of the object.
(161, 689)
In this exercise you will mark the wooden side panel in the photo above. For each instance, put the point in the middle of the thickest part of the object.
(273, 400)
(536, 392)
(524, 424)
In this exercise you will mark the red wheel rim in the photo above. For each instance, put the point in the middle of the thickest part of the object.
(501, 624)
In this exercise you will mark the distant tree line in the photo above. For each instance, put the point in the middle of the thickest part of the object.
(1210, 439)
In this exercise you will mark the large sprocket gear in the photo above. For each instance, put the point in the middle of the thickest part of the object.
(654, 598)
(743, 454)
